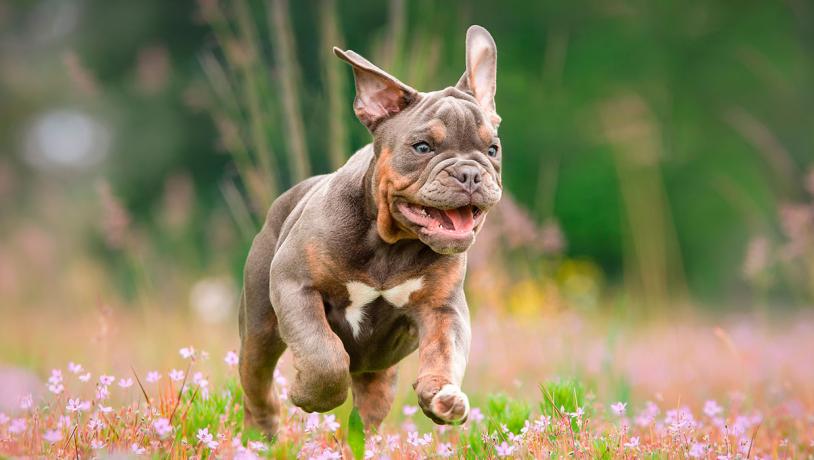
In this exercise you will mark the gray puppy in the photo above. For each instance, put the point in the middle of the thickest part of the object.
(354, 270)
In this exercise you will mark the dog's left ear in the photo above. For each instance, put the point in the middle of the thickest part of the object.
(480, 78)
(379, 95)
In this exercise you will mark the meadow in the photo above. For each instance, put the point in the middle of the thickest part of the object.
(165, 385)
(643, 290)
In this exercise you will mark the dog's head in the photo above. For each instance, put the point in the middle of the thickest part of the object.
(437, 167)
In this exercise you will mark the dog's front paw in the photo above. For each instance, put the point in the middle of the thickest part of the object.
(450, 404)
(443, 402)
(321, 384)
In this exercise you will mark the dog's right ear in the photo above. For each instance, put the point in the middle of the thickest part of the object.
(379, 95)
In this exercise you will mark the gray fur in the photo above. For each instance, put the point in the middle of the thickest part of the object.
(348, 226)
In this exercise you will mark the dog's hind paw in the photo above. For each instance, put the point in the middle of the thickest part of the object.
(450, 404)
(267, 422)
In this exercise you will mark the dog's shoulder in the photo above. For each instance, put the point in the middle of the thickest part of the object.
(326, 191)
(283, 207)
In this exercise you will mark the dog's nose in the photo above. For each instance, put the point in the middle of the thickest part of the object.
(469, 176)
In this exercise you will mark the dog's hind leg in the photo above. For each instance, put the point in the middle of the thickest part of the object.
(373, 394)
(260, 349)
(260, 344)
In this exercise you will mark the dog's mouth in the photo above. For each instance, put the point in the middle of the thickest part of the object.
(456, 222)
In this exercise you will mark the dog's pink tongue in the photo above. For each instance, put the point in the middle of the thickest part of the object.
(461, 218)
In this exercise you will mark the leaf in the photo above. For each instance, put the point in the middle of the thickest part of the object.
(356, 434)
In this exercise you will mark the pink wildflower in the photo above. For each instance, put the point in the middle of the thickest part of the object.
(96, 444)
(56, 376)
(330, 423)
(136, 449)
(632, 443)
(95, 424)
(153, 376)
(106, 379)
(203, 384)
(504, 449)
(712, 409)
(408, 426)
(162, 427)
(542, 423)
(18, 425)
(206, 438)
(697, 450)
(74, 368)
(445, 450)
(77, 405)
(52, 436)
(393, 441)
(56, 388)
(618, 408)
(85, 377)
(679, 420)
(125, 383)
(744, 444)
(187, 353)
(64, 421)
(418, 441)
(26, 402)
(476, 415)
(329, 454)
(102, 392)
(231, 359)
(258, 446)
(312, 422)
(409, 410)
(176, 375)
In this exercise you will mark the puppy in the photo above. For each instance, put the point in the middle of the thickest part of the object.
(354, 270)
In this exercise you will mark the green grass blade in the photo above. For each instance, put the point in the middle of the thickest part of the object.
(356, 434)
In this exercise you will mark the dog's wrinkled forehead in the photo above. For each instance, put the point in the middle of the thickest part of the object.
(447, 117)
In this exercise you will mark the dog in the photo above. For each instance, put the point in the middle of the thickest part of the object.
(354, 270)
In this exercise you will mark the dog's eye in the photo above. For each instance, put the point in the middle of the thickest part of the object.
(422, 147)
(492, 152)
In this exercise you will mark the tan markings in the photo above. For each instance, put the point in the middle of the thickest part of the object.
(437, 348)
(319, 265)
(443, 278)
(485, 133)
(388, 181)
(373, 394)
(438, 131)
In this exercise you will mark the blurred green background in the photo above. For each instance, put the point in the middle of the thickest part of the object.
(658, 153)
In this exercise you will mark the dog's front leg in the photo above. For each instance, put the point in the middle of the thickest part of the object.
(443, 348)
(319, 358)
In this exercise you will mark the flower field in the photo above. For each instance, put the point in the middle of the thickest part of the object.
(742, 389)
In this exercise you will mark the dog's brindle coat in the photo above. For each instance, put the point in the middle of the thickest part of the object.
(354, 270)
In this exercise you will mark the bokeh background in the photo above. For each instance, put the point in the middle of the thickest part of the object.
(658, 173)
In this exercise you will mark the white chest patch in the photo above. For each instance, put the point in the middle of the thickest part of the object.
(362, 294)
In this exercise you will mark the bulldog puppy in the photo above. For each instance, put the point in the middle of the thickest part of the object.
(354, 270)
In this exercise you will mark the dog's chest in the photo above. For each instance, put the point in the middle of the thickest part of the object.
(371, 297)
(361, 295)
(374, 322)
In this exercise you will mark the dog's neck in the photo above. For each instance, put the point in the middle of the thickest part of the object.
(369, 190)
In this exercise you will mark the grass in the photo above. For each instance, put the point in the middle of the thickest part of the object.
(765, 412)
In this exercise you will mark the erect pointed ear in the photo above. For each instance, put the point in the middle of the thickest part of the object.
(480, 78)
(379, 95)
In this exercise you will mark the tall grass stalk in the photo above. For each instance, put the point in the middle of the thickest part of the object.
(652, 261)
(335, 78)
(288, 73)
